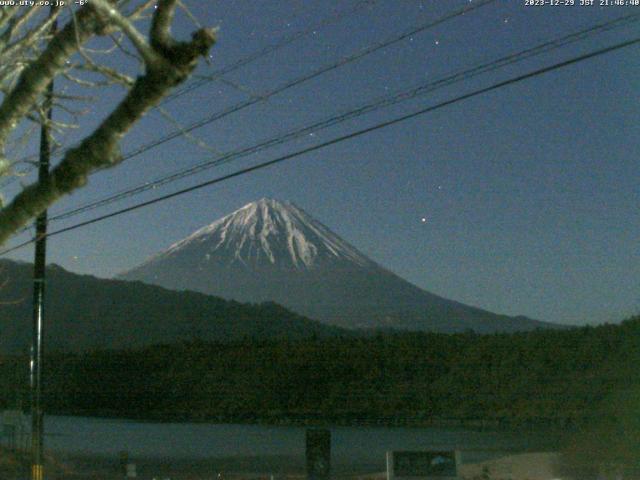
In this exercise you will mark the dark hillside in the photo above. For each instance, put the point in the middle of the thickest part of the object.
(84, 312)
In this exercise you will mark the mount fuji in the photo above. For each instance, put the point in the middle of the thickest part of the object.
(274, 251)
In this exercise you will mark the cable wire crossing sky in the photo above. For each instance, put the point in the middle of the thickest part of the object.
(485, 151)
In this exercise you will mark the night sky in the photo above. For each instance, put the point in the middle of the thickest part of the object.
(523, 200)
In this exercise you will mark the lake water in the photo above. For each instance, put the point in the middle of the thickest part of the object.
(361, 445)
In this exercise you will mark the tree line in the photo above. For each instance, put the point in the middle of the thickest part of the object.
(580, 378)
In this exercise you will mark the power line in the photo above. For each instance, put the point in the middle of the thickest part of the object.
(305, 78)
(218, 74)
(300, 80)
(340, 139)
(367, 108)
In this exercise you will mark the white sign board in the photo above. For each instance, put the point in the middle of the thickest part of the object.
(423, 464)
(131, 470)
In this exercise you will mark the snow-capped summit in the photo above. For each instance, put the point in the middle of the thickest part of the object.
(274, 251)
(267, 232)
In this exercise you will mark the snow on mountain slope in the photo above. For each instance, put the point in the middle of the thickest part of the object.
(274, 251)
(267, 232)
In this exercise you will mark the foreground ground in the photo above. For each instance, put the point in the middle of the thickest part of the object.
(528, 466)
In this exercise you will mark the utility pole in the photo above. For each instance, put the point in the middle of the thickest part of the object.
(35, 370)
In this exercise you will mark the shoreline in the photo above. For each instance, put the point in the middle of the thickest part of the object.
(448, 423)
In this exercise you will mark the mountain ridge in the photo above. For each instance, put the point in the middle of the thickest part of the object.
(274, 251)
(270, 217)
(84, 312)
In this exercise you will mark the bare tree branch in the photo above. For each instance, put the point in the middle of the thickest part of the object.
(35, 78)
(137, 39)
(141, 9)
(173, 62)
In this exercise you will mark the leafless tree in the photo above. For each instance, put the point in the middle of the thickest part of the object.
(32, 55)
